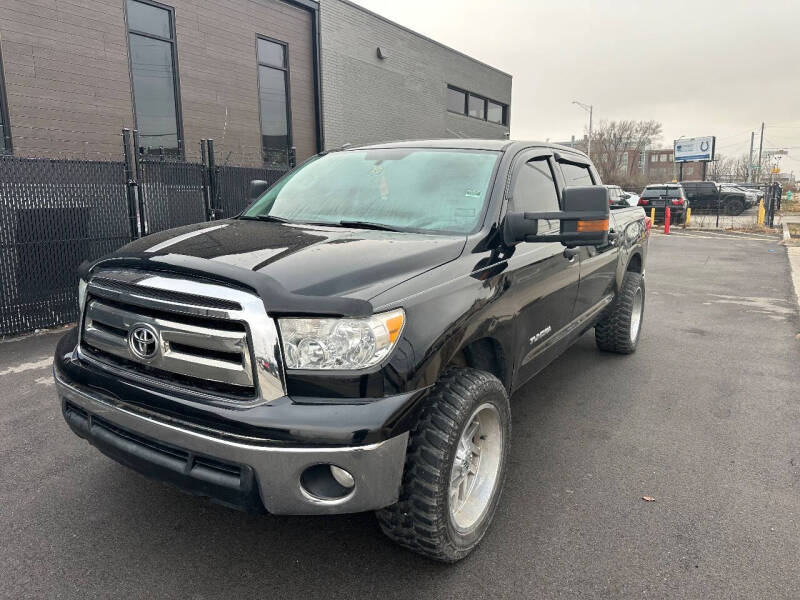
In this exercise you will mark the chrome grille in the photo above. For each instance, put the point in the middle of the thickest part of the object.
(206, 336)
(109, 287)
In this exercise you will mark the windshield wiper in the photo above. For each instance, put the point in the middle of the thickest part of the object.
(270, 218)
(367, 225)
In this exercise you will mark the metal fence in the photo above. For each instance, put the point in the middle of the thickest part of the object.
(717, 217)
(54, 214)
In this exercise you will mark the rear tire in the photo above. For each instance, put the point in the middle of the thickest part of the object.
(432, 516)
(620, 328)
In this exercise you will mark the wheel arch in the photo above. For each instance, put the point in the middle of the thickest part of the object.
(486, 354)
(635, 263)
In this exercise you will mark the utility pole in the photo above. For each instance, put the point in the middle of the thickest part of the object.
(750, 159)
(588, 108)
(589, 145)
(760, 148)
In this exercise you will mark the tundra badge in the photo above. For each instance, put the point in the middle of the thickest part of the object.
(541, 334)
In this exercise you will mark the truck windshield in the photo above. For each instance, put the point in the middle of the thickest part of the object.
(666, 192)
(412, 189)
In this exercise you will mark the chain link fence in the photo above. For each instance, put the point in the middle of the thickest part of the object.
(56, 213)
(720, 216)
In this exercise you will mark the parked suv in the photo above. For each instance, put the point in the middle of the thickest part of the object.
(704, 195)
(350, 342)
(661, 195)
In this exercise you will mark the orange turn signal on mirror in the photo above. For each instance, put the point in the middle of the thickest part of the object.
(587, 226)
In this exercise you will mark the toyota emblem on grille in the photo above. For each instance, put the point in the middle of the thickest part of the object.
(143, 341)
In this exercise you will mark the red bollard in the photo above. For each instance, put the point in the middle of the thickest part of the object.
(666, 220)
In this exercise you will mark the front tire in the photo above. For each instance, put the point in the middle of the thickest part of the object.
(455, 467)
(618, 331)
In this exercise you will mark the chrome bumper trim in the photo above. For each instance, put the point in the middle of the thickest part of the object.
(376, 468)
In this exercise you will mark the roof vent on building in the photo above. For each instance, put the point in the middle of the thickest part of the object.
(382, 54)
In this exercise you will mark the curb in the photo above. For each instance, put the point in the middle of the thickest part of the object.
(793, 252)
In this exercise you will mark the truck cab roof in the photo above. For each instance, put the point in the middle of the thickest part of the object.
(470, 144)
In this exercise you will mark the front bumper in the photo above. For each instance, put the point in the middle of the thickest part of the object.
(232, 472)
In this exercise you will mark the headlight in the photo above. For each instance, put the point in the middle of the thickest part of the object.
(81, 294)
(340, 343)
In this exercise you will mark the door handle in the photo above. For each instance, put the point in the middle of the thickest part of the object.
(571, 253)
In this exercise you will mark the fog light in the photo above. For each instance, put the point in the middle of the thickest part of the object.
(342, 477)
(327, 482)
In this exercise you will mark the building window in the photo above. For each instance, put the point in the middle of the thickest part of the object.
(5, 125)
(273, 93)
(456, 101)
(495, 112)
(478, 107)
(154, 73)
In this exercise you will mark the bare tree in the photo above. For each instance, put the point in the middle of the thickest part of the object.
(616, 146)
(728, 168)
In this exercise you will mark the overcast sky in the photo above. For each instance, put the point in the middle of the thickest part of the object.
(700, 67)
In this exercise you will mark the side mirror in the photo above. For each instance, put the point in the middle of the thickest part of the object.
(584, 220)
(256, 189)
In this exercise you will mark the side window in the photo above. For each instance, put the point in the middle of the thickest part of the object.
(576, 174)
(535, 189)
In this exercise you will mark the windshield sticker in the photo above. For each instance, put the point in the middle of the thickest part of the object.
(473, 194)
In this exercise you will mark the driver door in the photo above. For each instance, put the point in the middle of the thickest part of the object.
(545, 277)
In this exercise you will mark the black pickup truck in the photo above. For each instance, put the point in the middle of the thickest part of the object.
(706, 195)
(350, 342)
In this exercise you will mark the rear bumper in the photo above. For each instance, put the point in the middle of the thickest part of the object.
(231, 472)
(673, 209)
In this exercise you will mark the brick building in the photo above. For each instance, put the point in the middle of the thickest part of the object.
(257, 76)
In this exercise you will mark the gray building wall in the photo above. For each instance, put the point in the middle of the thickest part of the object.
(368, 99)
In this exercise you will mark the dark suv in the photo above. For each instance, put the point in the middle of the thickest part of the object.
(704, 195)
(662, 195)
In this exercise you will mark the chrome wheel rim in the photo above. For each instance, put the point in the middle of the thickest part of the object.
(636, 314)
(476, 466)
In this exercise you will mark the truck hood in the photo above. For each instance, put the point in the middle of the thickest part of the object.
(307, 260)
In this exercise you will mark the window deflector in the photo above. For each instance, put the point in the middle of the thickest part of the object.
(572, 160)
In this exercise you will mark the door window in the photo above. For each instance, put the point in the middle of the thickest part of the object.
(535, 191)
(576, 174)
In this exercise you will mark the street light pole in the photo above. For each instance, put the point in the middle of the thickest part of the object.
(588, 108)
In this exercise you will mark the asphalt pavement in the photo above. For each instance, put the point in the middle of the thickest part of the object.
(703, 418)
